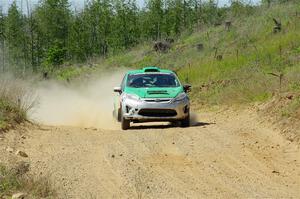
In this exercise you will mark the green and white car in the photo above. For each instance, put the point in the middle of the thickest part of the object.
(151, 94)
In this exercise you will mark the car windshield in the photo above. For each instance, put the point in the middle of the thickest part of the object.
(152, 80)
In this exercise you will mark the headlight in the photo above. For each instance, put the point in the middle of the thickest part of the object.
(180, 97)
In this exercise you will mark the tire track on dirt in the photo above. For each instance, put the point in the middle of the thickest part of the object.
(229, 159)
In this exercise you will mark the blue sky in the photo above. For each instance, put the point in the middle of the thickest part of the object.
(79, 3)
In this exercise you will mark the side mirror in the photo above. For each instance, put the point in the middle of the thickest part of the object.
(187, 88)
(117, 89)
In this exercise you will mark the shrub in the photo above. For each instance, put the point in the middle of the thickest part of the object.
(16, 100)
(12, 182)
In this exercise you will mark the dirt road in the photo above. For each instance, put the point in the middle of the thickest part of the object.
(226, 155)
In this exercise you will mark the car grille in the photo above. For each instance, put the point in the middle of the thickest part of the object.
(157, 100)
(157, 112)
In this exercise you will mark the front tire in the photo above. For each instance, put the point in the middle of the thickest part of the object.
(185, 122)
(119, 115)
(125, 124)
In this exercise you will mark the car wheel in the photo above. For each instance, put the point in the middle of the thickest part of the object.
(119, 115)
(186, 121)
(125, 124)
(174, 123)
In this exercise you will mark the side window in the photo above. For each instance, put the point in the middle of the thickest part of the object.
(123, 83)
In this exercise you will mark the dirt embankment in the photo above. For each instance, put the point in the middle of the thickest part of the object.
(283, 112)
(230, 154)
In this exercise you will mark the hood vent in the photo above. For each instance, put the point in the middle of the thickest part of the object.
(157, 92)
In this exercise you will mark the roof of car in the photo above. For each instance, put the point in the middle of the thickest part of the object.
(149, 69)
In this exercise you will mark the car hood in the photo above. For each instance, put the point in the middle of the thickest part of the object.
(155, 92)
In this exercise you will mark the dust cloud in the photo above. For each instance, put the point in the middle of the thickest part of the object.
(85, 104)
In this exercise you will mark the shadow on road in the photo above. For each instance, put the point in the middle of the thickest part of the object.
(202, 124)
(165, 126)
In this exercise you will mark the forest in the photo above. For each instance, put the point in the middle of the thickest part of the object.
(52, 33)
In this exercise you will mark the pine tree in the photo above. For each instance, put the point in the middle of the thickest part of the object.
(126, 24)
(79, 38)
(51, 33)
(15, 37)
(53, 18)
(2, 40)
(154, 19)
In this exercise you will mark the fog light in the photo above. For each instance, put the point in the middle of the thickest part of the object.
(131, 112)
(128, 108)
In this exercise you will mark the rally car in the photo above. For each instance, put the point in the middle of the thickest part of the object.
(151, 94)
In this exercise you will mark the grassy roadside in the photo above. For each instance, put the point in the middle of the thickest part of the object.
(10, 115)
(16, 100)
(14, 181)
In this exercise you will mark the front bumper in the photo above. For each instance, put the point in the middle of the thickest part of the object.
(144, 110)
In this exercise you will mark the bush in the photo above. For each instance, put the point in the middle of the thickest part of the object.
(56, 55)
(12, 182)
(16, 100)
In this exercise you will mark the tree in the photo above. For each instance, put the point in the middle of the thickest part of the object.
(126, 24)
(80, 47)
(2, 40)
(210, 12)
(53, 18)
(15, 36)
(52, 33)
(238, 8)
(154, 19)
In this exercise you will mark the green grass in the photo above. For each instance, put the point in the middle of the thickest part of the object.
(250, 52)
(8, 181)
(292, 109)
(10, 115)
(12, 182)
(3, 124)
